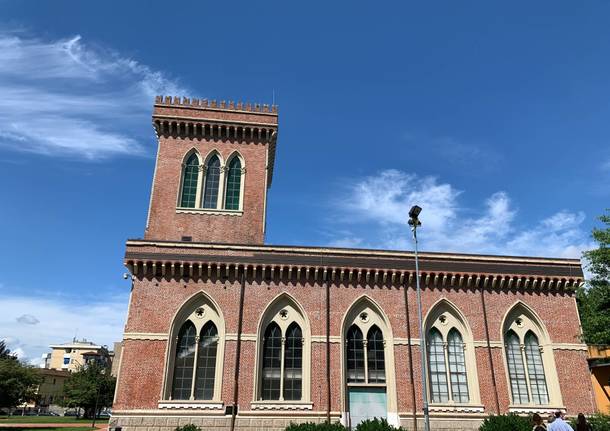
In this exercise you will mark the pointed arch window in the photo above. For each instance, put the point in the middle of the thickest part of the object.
(526, 369)
(206, 362)
(293, 363)
(212, 182)
(355, 355)
(272, 362)
(190, 179)
(457, 367)
(184, 362)
(439, 390)
(375, 355)
(233, 187)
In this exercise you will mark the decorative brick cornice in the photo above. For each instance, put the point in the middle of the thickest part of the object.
(350, 267)
(213, 104)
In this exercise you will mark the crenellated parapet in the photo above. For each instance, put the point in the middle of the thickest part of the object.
(213, 104)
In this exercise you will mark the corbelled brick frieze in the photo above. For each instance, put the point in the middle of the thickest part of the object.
(349, 266)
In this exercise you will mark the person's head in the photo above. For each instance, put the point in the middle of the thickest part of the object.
(551, 418)
(581, 419)
(537, 419)
(558, 414)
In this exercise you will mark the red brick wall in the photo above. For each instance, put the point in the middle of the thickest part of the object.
(155, 302)
(165, 223)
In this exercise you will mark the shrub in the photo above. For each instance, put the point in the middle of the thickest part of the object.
(376, 425)
(598, 421)
(510, 422)
(189, 427)
(310, 426)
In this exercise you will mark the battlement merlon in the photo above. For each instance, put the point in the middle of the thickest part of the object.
(230, 112)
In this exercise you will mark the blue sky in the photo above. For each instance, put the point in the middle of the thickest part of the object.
(493, 117)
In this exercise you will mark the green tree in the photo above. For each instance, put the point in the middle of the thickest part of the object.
(18, 382)
(5, 353)
(89, 386)
(594, 298)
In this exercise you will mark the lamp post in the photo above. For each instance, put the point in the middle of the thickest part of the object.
(414, 223)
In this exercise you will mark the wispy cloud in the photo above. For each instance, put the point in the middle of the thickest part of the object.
(67, 98)
(30, 324)
(375, 207)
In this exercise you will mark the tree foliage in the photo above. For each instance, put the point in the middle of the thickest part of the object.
(17, 381)
(91, 384)
(594, 298)
(509, 422)
(5, 353)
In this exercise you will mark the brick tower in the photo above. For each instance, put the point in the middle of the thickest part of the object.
(214, 167)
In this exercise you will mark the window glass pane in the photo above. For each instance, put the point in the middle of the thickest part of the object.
(439, 390)
(206, 362)
(189, 182)
(233, 184)
(457, 367)
(355, 355)
(272, 362)
(535, 370)
(293, 363)
(212, 179)
(375, 355)
(516, 370)
(185, 359)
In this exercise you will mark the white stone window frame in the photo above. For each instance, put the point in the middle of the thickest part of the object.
(188, 311)
(295, 313)
(531, 322)
(222, 183)
(454, 319)
(375, 317)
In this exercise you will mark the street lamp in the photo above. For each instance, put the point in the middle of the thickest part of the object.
(414, 223)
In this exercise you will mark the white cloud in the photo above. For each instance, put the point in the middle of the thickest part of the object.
(66, 98)
(28, 319)
(101, 321)
(377, 207)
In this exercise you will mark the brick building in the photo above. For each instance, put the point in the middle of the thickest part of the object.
(229, 333)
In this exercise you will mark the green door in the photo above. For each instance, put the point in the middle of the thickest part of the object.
(366, 403)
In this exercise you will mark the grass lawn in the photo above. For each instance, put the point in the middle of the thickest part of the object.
(52, 429)
(39, 419)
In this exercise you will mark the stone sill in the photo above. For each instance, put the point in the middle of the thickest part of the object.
(235, 213)
(531, 408)
(188, 404)
(281, 405)
(457, 408)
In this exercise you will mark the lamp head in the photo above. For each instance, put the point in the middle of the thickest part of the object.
(414, 211)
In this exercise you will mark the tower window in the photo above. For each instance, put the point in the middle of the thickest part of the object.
(233, 190)
(189, 182)
(212, 182)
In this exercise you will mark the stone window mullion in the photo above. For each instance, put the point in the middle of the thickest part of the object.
(527, 376)
(447, 371)
(192, 397)
(366, 360)
(282, 359)
(200, 181)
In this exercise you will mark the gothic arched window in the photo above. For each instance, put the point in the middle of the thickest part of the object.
(190, 179)
(293, 363)
(233, 184)
(439, 390)
(184, 362)
(526, 369)
(516, 369)
(206, 362)
(195, 357)
(272, 362)
(375, 355)
(457, 367)
(212, 182)
(355, 355)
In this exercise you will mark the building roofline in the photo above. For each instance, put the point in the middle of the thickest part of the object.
(354, 251)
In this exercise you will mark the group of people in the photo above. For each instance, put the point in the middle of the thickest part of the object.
(557, 422)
